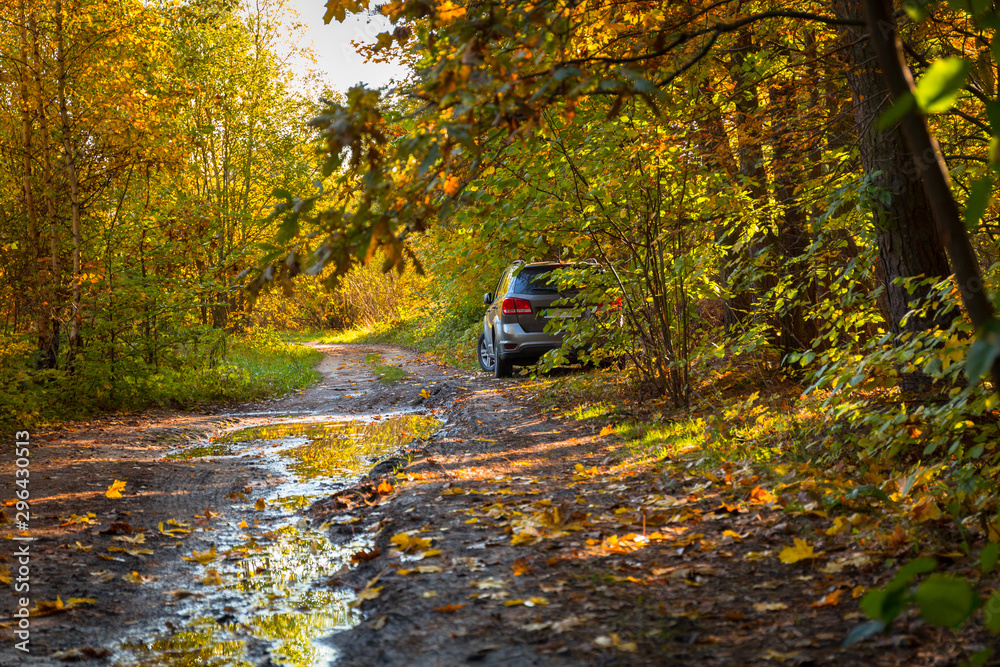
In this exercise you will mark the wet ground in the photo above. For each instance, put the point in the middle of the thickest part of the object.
(208, 557)
(482, 530)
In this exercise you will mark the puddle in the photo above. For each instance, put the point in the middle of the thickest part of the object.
(201, 451)
(264, 592)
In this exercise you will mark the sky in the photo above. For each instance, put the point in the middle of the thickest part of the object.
(332, 44)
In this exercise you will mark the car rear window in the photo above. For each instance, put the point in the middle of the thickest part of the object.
(536, 281)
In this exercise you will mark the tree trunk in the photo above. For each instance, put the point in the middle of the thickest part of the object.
(42, 301)
(796, 333)
(69, 155)
(908, 242)
(934, 176)
(752, 176)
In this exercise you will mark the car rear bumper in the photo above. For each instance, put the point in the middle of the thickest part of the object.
(517, 344)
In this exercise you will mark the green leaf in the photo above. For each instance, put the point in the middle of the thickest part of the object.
(939, 86)
(988, 558)
(978, 201)
(895, 113)
(946, 600)
(911, 571)
(991, 613)
(980, 657)
(883, 605)
(980, 359)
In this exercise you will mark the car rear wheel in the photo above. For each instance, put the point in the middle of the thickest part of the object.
(483, 352)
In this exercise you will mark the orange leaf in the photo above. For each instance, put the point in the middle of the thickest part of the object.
(360, 556)
(448, 608)
(830, 599)
(384, 488)
(761, 496)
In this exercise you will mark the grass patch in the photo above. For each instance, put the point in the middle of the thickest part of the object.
(215, 368)
(446, 339)
(385, 373)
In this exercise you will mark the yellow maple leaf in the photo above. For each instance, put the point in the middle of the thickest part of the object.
(409, 543)
(203, 557)
(259, 505)
(607, 430)
(801, 550)
(115, 490)
(840, 524)
(425, 394)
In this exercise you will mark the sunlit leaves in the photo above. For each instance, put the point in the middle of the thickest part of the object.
(938, 88)
(409, 543)
(115, 490)
(800, 550)
(202, 557)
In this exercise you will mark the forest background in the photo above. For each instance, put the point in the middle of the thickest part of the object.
(173, 194)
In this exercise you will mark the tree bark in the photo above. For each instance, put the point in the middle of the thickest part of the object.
(908, 242)
(40, 281)
(69, 157)
(796, 333)
(930, 165)
(752, 176)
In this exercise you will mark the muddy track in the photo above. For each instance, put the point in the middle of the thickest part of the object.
(505, 538)
(72, 467)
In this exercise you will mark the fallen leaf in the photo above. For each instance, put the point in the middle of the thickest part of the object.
(203, 557)
(840, 524)
(521, 566)
(362, 556)
(761, 496)
(801, 550)
(770, 606)
(448, 608)
(115, 490)
(408, 543)
(830, 599)
(260, 505)
(385, 488)
(212, 578)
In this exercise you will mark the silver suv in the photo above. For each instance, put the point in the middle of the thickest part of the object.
(519, 308)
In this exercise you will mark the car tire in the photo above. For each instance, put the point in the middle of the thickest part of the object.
(502, 368)
(486, 361)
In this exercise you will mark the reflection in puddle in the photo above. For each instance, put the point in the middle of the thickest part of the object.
(338, 448)
(267, 591)
(215, 449)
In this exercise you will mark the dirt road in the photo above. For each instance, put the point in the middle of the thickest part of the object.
(501, 536)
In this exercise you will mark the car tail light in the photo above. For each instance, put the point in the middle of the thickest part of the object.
(515, 306)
